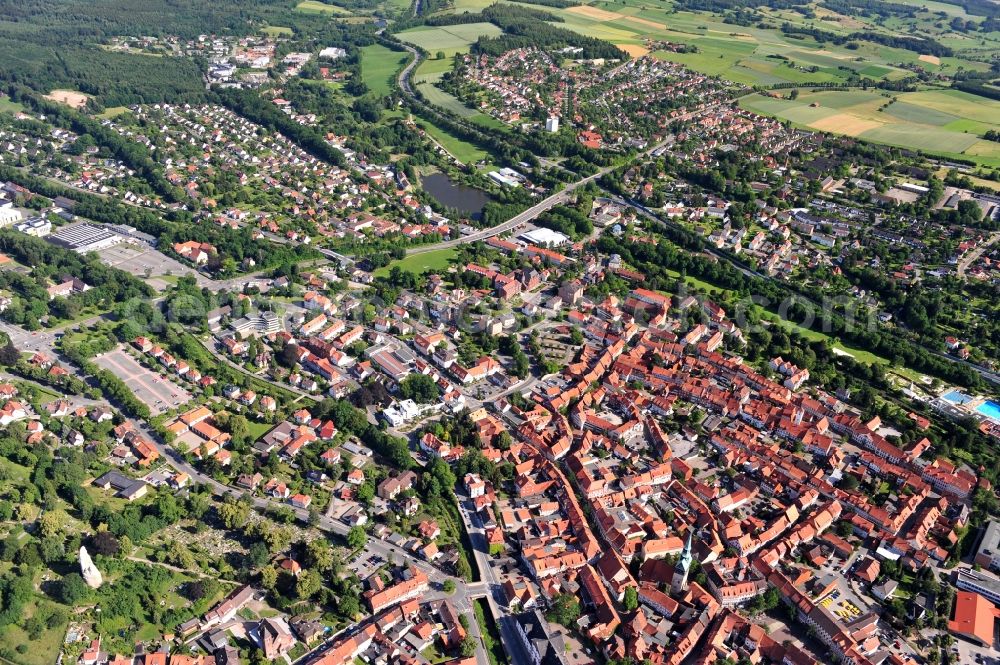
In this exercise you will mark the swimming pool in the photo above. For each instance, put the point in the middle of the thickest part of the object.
(989, 409)
(956, 397)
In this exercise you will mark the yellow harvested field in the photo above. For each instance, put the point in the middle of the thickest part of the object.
(845, 123)
(633, 50)
(845, 21)
(646, 22)
(984, 149)
(930, 59)
(68, 97)
(595, 13)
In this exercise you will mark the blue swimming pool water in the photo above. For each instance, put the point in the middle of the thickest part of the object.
(990, 409)
(956, 397)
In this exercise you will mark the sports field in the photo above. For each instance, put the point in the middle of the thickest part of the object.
(379, 66)
(70, 98)
(946, 122)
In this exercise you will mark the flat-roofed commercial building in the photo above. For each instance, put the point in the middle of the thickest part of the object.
(83, 238)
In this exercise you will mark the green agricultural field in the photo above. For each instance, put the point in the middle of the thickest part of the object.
(907, 135)
(448, 39)
(429, 67)
(317, 7)
(379, 67)
(740, 53)
(417, 264)
(958, 103)
(910, 112)
(989, 151)
(945, 122)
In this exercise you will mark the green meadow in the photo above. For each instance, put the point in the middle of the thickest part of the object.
(417, 264)
(379, 67)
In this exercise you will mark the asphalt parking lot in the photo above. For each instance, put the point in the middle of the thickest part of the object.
(157, 393)
(138, 259)
(366, 563)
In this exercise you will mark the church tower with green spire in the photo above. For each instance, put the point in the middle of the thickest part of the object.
(679, 582)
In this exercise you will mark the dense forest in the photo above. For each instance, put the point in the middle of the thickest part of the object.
(55, 44)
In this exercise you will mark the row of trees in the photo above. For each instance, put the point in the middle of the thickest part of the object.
(907, 42)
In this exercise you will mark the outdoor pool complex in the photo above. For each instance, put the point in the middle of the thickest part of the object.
(956, 397)
(989, 409)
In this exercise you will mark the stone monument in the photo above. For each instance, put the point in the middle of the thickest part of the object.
(91, 575)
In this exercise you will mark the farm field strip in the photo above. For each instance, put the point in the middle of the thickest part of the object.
(936, 121)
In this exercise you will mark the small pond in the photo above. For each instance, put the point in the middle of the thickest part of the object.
(467, 200)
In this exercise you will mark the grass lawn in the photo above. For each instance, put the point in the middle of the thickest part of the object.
(860, 355)
(439, 260)
(866, 357)
(491, 634)
(14, 472)
(446, 100)
(379, 66)
(46, 394)
(8, 106)
(277, 30)
(430, 66)
(433, 654)
(112, 112)
(465, 152)
(696, 283)
(258, 430)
